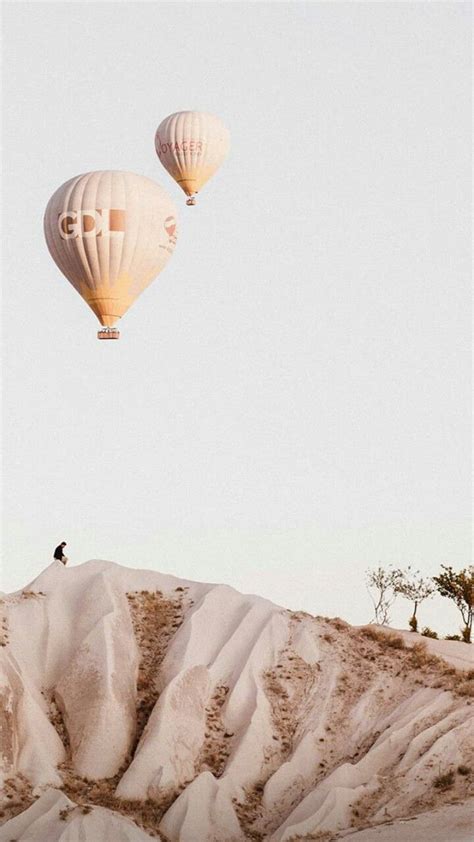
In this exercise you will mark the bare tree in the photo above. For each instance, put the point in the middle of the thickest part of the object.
(382, 587)
(412, 586)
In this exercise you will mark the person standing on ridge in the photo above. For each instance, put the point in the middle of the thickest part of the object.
(59, 554)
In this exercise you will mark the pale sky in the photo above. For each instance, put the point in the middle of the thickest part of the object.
(289, 402)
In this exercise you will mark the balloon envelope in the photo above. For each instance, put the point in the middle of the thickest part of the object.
(110, 233)
(191, 145)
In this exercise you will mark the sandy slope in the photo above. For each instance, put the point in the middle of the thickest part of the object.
(203, 714)
(454, 823)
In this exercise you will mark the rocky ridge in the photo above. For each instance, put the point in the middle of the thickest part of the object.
(137, 705)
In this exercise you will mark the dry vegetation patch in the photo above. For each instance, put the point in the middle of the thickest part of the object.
(16, 796)
(3, 624)
(89, 794)
(287, 685)
(217, 741)
(444, 782)
(431, 670)
(360, 656)
(250, 809)
(155, 620)
(56, 718)
(6, 730)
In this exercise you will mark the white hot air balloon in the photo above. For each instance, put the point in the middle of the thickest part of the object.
(110, 233)
(191, 145)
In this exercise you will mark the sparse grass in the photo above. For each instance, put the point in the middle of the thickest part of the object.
(343, 684)
(4, 631)
(285, 695)
(155, 620)
(89, 794)
(287, 686)
(300, 615)
(388, 640)
(217, 742)
(56, 718)
(419, 656)
(16, 796)
(394, 641)
(372, 633)
(338, 624)
(465, 688)
(432, 670)
(249, 810)
(444, 782)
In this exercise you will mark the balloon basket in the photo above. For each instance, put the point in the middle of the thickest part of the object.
(108, 333)
(191, 201)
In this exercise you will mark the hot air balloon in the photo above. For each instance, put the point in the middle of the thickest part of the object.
(110, 233)
(191, 145)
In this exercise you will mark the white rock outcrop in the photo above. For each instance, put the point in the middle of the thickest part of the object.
(205, 714)
(55, 818)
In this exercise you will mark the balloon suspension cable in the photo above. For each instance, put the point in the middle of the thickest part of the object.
(108, 333)
(191, 201)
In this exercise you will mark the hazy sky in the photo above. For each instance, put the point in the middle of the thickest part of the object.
(289, 402)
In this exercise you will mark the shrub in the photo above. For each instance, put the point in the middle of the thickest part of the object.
(452, 637)
(372, 633)
(393, 641)
(445, 781)
(339, 624)
(420, 657)
(465, 688)
(464, 770)
(427, 632)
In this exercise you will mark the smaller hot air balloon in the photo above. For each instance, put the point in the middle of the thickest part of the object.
(110, 233)
(191, 145)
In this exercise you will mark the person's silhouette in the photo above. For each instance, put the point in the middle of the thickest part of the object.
(59, 554)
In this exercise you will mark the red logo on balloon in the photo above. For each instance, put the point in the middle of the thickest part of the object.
(170, 225)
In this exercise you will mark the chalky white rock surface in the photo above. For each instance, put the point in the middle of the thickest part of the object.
(261, 723)
(43, 822)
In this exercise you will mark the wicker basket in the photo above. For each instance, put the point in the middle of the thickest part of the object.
(108, 333)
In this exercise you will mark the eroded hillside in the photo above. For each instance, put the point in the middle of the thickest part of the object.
(196, 712)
